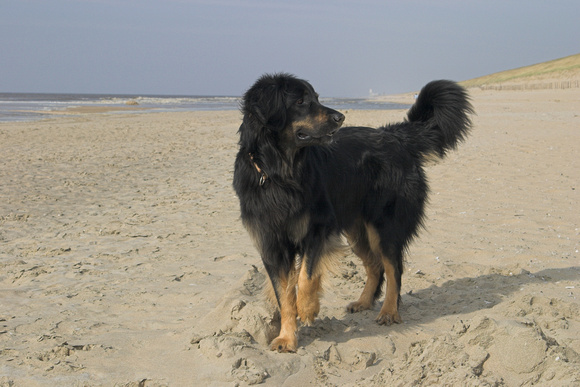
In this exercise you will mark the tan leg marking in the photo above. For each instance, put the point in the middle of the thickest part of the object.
(366, 299)
(287, 340)
(390, 312)
(308, 295)
(359, 241)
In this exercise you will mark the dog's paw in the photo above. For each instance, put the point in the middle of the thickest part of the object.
(307, 313)
(284, 344)
(358, 306)
(388, 318)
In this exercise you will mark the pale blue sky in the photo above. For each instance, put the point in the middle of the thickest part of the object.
(219, 47)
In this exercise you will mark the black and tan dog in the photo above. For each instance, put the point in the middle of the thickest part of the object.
(302, 184)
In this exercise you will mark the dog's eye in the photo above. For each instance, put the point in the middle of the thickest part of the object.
(300, 101)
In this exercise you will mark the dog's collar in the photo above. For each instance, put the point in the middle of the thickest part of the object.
(263, 175)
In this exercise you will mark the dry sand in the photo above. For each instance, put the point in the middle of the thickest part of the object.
(123, 261)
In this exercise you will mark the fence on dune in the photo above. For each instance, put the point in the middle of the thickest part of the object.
(533, 86)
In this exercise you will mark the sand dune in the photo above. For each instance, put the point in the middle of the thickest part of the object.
(555, 74)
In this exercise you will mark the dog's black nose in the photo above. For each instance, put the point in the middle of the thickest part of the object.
(338, 118)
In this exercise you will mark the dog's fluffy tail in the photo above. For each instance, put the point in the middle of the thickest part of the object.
(440, 118)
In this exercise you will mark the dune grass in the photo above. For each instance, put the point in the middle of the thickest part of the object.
(552, 69)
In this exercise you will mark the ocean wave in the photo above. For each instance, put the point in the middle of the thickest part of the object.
(14, 105)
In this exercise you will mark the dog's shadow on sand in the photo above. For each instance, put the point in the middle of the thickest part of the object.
(458, 296)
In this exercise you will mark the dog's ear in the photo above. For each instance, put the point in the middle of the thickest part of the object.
(267, 103)
(273, 108)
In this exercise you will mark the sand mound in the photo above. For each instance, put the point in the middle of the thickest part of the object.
(244, 311)
(516, 351)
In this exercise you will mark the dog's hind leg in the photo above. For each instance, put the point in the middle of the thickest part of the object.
(285, 288)
(392, 263)
(372, 286)
(359, 241)
(360, 244)
(369, 246)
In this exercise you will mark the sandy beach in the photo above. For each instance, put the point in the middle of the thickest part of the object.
(123, 261)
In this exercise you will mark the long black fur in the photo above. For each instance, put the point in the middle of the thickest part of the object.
(336, 180)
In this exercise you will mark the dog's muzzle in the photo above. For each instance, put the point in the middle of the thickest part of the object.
(338, 118)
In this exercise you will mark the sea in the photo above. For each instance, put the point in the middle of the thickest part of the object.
(38, 106)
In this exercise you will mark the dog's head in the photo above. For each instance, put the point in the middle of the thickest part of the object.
(288, 108)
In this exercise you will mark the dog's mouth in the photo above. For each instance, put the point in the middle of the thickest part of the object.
(307, 137)
(303, 136)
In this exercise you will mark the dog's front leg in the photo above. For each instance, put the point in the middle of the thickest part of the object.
(309, 286)
(285, 287)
